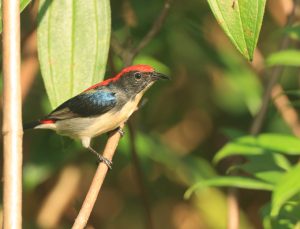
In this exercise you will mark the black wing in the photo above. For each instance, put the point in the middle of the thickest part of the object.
(89, 103)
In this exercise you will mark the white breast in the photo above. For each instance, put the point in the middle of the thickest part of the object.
(89, 127)
(94, 126)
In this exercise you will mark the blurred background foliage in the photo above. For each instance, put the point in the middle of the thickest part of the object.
(209, 105)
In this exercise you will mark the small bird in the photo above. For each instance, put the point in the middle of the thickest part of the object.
(101, 108)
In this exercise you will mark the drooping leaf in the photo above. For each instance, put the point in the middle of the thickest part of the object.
(23, 4)
(286, 188)
(287, 144)
(250, 145)
(286, 57)
(241, 20)
(73, 42)
(230, 181)
(241, 146)
(268, 167)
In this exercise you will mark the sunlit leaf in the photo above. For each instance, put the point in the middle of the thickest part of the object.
(250, 145)
(286, 57)
(23, 4)
(73, 42)
(288, 144)
(230, 181)
(240, 146)
(241, 20)
(287, 187)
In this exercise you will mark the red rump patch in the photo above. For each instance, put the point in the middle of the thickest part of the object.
(138, 67)
(47, 121)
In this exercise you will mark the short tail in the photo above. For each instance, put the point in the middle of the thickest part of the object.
(40, 123)
(31, 125)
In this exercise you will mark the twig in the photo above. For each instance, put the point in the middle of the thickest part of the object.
(273, 79)
(139, 177)
(288, 113)
(127, 54)
(233, 209)
(30, 64)
(12, 124)
(97, 182)
(155, 28)
(233, 214)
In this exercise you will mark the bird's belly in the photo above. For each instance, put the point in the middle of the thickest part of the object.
(94, 126)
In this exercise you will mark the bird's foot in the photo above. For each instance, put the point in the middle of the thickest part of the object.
(105, 161)
(119, 130)
(101, 158)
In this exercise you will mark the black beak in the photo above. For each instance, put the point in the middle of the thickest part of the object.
(158, 76)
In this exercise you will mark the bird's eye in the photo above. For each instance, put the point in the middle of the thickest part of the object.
(137, 75)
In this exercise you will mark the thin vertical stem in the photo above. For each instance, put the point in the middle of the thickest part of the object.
(12, 124)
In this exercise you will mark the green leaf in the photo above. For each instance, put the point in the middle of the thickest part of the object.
(241, 20)
(250, 145)
(240, 146)
(73, 42)
(287, 187)
(23, 4)
(230, 181)
(268, 167)
(287, 144)
(286, 57)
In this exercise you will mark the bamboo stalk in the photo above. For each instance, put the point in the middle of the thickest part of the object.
(12, 124)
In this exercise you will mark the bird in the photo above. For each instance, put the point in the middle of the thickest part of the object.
(101, 108)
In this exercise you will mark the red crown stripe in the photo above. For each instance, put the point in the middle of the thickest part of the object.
(139, 67)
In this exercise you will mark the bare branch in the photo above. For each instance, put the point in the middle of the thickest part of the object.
(127, 55)
(139, 177)
(273, 79)
(12, 117)
(97, 182)
(155, 28)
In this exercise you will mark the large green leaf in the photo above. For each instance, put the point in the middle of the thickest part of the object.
(250, 145)
(286, 57)
(230, 181)
(73, 42)
(287, 187)
(23, 4)
(241, 20)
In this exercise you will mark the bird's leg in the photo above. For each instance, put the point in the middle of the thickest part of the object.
(120, 130)
(101, 158)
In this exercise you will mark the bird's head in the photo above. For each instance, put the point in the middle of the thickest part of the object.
(134, 79)
(137, 78)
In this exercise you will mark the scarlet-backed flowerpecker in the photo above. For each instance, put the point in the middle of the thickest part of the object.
(101, 108)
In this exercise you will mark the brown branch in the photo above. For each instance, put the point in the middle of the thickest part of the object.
(273, 78)
(97, 182)
(30, 64)
(286, 110)
(127, 55)
(155, 28)
(139, 176)
(233, 214)
(12, 121)
(233, 209)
